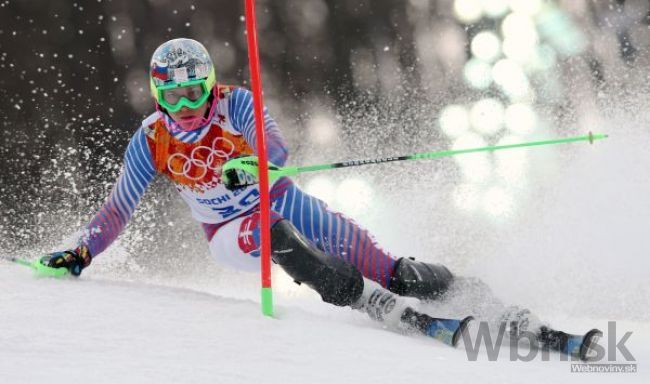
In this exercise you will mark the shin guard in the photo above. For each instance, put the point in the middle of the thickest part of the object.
(336, 281)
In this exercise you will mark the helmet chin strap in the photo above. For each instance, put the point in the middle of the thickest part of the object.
(190, 125)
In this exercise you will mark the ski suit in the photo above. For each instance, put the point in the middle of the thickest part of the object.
(193, 160)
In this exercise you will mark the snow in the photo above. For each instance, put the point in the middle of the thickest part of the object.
(99, 330)
(577, 257)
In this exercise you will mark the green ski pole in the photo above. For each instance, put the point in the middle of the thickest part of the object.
(249, 164)
(40, 269)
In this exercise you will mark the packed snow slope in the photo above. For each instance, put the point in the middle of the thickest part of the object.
(94, 330)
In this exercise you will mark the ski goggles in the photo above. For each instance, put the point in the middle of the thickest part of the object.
(191, 94)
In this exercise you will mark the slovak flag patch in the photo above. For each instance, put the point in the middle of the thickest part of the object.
(248, 236)
(160, 71)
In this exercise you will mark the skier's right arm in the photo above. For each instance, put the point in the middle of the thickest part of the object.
(137, 173)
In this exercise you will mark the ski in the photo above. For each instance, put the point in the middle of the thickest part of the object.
(580, 346)
(448, 331)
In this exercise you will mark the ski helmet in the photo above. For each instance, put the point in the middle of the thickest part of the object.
(182, 75)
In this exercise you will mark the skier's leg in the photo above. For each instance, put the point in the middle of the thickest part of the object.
(336, 281)
(340, 283)
(332, 232)
(338, 235)
(236, 244)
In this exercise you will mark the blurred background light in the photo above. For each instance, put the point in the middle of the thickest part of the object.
(519, 24)
(556, 26)
(477, 73)
(506, 60)
(486, 46)
(520, 118)
(475, 167)
(468, 11)
(468, 140)
(486, 116)
(528, 7)
(512, 165)
(510, 76)
(322, 129)
(495, 8)
(519, 49)
(520, 37)
(542, 59)
(454, 120)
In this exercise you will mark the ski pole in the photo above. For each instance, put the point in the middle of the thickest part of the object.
(20, 261)
(249, 163)
(40, 269)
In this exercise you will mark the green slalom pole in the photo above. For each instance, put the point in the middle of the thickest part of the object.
(41, 270)
(249, 164)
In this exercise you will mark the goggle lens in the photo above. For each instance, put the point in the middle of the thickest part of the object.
(191, 96)
(192, 93)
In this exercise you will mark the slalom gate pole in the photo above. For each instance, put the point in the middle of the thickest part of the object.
(263, 172)
(275, 172)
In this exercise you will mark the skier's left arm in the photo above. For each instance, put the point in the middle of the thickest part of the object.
(137, 173)
(240, 109)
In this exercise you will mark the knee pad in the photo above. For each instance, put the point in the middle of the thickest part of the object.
(421, 280)
(336, 281)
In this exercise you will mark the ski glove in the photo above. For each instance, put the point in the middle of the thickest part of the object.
(73, 260)
(242, 171)
(236, 178)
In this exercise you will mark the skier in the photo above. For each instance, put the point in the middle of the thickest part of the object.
(198, 126)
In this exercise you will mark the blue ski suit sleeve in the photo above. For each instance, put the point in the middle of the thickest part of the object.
(137, 173)
(240, 109)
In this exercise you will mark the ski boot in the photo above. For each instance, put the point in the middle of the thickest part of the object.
(420, 280)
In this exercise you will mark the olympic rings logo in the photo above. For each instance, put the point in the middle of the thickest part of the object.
(196, 161)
